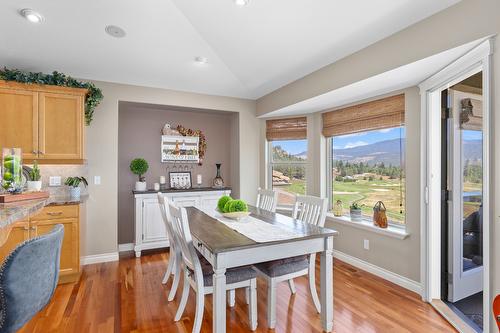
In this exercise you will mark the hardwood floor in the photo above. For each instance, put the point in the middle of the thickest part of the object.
(127, 296)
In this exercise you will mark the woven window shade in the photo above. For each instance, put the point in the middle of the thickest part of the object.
(286, 129)
(383, 113)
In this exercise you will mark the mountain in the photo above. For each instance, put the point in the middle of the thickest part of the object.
(302, 155)
(388, 152)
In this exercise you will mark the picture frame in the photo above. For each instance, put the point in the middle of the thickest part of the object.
(180, 180)
(179, 148)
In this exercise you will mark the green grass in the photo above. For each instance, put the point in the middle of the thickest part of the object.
(297, 186)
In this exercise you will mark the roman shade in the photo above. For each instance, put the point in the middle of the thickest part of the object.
(382, 113)
(286, 129)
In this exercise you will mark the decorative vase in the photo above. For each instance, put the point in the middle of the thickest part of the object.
(34, 186)
(218, 182)
(141, 186)
(11, 169)
(338, 209)
(355, 214)
(75, 192)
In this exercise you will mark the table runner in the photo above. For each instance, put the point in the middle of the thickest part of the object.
(255, 229)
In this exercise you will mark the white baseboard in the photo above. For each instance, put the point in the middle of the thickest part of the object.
(380, 272)
(126, 247)
(99, 258)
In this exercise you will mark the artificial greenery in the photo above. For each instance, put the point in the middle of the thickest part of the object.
(202, 143)
(75, 181)
(232, 206)
(34, 174)
(222, 202)
(139, 166)
(355, 206)
(92, 99)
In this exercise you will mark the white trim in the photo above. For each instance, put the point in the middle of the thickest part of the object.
(99, 258)
(391, 231)
(125, 247)
(383, 273)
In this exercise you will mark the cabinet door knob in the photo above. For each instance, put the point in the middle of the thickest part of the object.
(33, 228)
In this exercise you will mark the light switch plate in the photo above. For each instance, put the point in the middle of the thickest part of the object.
(366, 244)
(55, 181)
(97, 180)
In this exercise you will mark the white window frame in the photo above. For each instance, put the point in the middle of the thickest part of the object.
(329, 188)
(271, 163)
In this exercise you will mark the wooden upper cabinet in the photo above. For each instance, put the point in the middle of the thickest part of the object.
(46, 122)
(61, 125)
(19, 121)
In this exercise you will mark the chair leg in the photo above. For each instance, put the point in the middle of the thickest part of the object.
(184, 298)
(271, 303)
(312, 282)
(291, 284)
(200, 304)
(177, 277)
(247, 295)
(252, 308)
(231, 297)
(171, 264)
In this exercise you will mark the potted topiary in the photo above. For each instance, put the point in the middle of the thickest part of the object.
(34, 183)
(355, 211)
(139, 166)
(74, 185)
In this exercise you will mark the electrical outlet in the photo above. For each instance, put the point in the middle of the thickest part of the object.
(366, 244)
(97, 180)
(55, 181)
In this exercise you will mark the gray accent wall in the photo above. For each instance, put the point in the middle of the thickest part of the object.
(139, 134)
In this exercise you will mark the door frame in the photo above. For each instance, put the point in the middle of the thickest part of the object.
(430, 244)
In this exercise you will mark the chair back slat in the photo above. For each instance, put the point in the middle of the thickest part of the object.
(267, 199)
(183, 233)
(310, 209)
(165, 214)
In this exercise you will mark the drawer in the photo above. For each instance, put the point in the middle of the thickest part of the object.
(56, 212)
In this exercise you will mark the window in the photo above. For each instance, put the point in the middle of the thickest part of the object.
(287, 169)
(368, 167)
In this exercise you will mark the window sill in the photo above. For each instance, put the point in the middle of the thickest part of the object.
(391, 231)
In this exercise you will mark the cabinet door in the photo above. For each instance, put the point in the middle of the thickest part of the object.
(19, 121)
(209, 203)
(18, 234)
(61, 126)
(70, 251)
(186, 201)
(153, 228)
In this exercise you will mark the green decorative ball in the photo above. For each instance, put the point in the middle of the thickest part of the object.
(226, 206)
(237, 206)
(222, 202)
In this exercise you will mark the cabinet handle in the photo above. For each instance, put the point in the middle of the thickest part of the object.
(34, 152)
(33, 228)
(26, 228)
(41, 152)
(54, 213)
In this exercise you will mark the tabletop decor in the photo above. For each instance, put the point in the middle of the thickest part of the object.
(34, 183)
(74, 185)
(355, 211)
(231, 208)
(139, 167)
(12, 170)
(379, 215)
(218, 181)
(180, 180)
(93, 98)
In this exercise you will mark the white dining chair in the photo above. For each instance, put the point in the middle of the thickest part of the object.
(198, 273)
(307, 209)
(174, 261)
(267, 199)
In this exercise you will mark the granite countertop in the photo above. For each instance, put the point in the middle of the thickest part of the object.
(15, 211)
(193, 189)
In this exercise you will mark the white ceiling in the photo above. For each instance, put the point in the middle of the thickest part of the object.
(399, 78)
(251, 50)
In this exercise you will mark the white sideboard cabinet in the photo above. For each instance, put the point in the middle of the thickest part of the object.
(150, 231)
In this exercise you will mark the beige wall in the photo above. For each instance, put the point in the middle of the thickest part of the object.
(102, 153)
(139, 133)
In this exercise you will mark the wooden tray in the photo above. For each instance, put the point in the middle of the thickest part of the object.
(4, 198)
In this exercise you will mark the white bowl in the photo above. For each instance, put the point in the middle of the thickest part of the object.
(236, 215)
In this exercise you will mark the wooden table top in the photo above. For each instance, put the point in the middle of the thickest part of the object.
(217, 237)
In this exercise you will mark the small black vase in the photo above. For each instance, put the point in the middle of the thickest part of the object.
(218, 182)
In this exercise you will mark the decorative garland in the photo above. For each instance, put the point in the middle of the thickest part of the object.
(92, 99)
(203, 141)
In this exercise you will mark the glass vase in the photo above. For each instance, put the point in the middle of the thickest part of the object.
(12, 169)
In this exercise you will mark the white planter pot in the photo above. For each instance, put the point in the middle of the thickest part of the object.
(34, 186)
(356, 215)
(141, 186)
(75, 192)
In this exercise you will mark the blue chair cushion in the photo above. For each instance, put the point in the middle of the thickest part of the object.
(285, 266)
(28, 278)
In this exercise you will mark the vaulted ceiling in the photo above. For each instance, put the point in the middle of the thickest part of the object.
(251, 50)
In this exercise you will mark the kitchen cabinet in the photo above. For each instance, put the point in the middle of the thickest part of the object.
(150, 230)
(46, 122)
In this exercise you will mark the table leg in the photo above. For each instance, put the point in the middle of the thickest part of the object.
(327, 290)
(219, 301)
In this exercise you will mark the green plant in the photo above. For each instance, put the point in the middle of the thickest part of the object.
(139, 166)
(237, 206)
(355, 206)
(75, 181)
(34, 174)
(222, 202)
(92, 99)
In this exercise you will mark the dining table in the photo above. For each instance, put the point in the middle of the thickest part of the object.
(224, 248)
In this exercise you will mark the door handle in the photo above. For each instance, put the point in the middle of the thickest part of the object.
(54, 213)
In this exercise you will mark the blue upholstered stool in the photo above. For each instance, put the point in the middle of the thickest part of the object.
(28, 278)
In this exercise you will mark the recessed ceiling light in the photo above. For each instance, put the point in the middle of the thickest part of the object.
(115, 31)
(201, 60)
(241, 2)
(31, 15)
